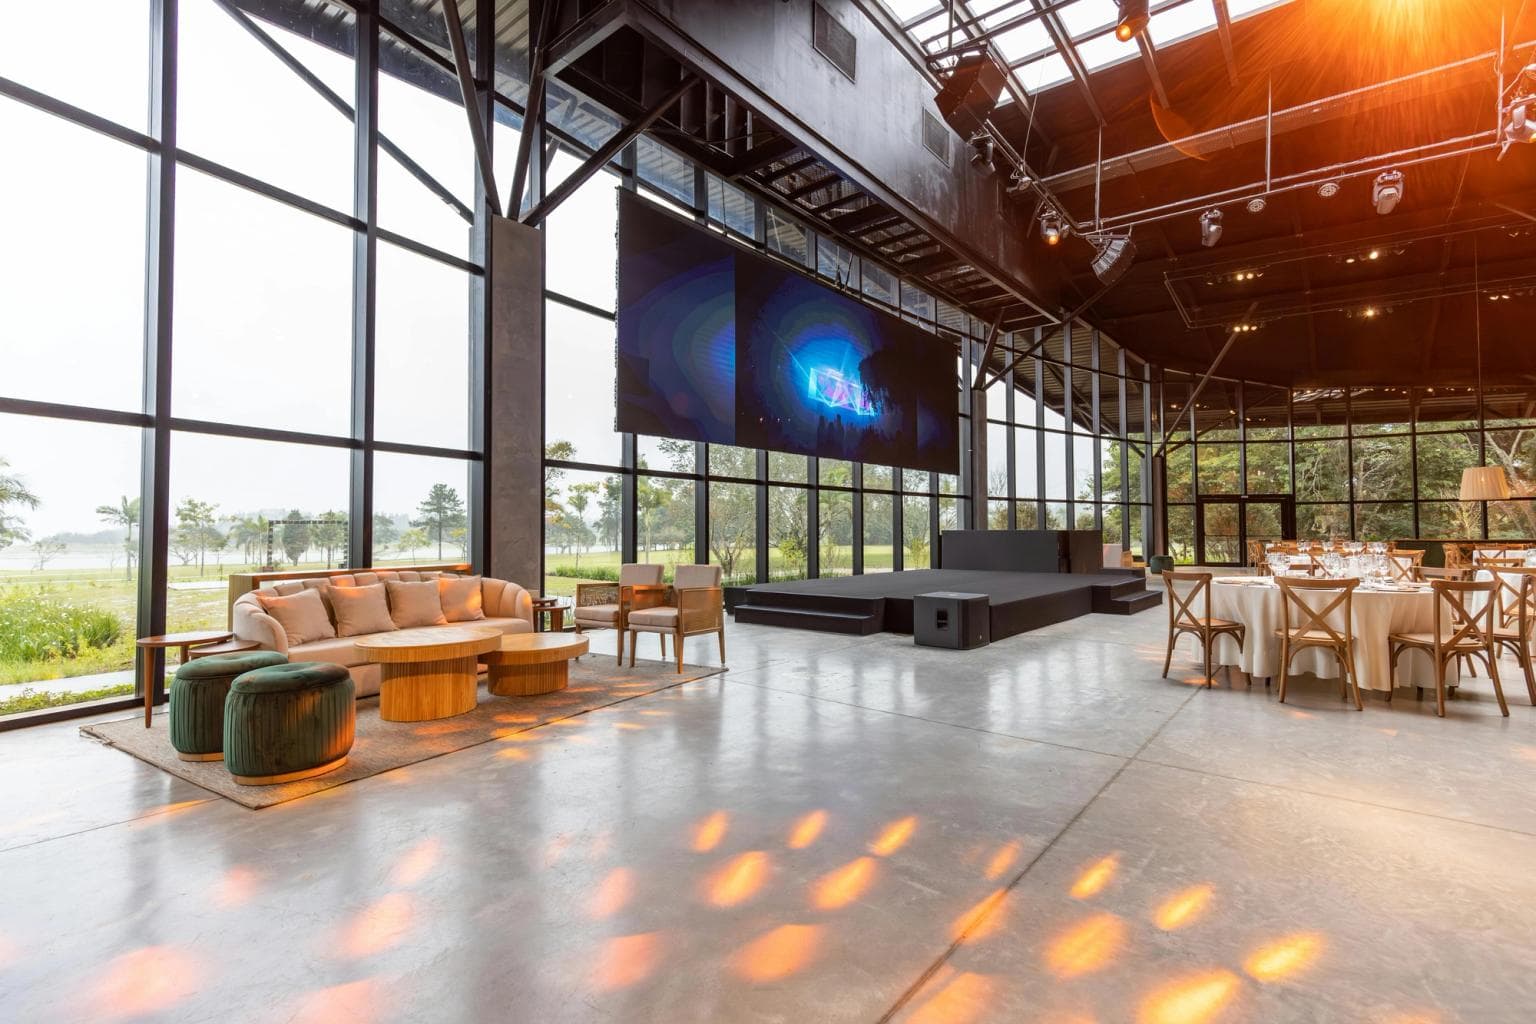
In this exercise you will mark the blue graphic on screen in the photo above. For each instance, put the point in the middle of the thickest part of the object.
(722, 345)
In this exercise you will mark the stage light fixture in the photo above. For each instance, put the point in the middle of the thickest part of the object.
(1328, 189)
(982, 150)
(1018, 182)
(1257, 204)
(1051, 228)
(1134, 18)
(1115, 256)
(1387, 191)
(1374, 254)
(1520, 124)
(1210, 227)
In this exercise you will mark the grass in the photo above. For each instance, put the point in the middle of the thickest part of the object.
(36, 700)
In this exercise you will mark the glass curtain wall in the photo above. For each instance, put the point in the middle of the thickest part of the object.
(1363, 462)
(269, 363)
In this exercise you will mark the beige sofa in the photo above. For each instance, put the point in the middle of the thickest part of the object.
(508, 607)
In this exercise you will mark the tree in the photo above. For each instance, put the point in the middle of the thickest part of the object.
(440, 513)
(329, 534)
(294, 537)
(196, 530)
(413, 540)
(385, 532)
(13, 493)
(580, 498)
(45, 550)
(125, 514)
(249, 534)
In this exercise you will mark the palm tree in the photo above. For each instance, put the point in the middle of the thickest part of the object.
(125, 514)
(250, 533)
(13, 492)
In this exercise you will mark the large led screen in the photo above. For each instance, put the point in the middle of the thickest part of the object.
(718, 344)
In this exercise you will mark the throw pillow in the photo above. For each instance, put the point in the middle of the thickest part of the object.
(301, 615)
(361, 610)
(414, 604)
(461, 598)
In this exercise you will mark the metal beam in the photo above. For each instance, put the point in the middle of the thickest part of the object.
(584, 35)
(608, 151)
(470, 93)
(1224, 31)
(1063, 41)
(812, 187)
(1189, 404)
(791, 168)
(1149, 61)
(761, 156)
(986, 353)
(535, 105)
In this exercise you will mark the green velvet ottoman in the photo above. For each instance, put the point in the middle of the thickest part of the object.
(197, 700)
(288, 722)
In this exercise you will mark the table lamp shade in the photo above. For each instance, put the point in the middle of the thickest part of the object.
(1484, 483)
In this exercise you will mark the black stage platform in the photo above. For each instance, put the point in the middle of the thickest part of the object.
(875, 602)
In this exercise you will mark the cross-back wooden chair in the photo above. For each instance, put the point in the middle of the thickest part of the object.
(1516, 619)
(1460, 632)
(1189, 611)
(1305, 607)
(1256, 555)
(1498, 561)
(1405, 565)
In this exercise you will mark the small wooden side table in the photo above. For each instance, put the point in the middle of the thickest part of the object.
(553, 606)
(148, 645)
(428, 673)
(235, 646)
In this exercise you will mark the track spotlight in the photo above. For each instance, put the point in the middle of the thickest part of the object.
(1328, 189)
(1051, 228)
(1115, 255)
(982, 149)
(1019, 182)
(1387, 192)
(1520, 123)
(1210, 227)
(1133, 19)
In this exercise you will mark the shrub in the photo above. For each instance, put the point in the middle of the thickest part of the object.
(37, 700)
(36, 626)
(599, 574)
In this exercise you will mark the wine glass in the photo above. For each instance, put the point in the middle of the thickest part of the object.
(1353, 547)
(1333, 564)
(1279, 563)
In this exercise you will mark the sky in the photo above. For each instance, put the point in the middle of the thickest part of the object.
(262, 310)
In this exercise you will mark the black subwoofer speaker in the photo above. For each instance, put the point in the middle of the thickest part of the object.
(970, 93)
(949, 619)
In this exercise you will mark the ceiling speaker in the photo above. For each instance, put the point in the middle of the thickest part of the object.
(971, 92)
(1115, 257)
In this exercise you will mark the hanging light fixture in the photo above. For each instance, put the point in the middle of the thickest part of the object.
(1387, 191)
(1134, 17)
(1051, 228)
(1210, 227)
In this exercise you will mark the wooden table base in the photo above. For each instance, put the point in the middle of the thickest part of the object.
(420, 691)
(528, 680)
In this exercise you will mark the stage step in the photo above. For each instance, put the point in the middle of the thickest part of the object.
(860, 623)
(1130, 604)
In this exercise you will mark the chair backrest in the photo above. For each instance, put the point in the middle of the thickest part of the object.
(1497, 561)
(689, 577)
(1457, 624)
(1306, 604)
(632, 574)
(1516, 598)
(1404, 564)
(1189, 598)
(1256, 553)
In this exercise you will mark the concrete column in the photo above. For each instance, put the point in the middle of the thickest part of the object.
(514, 444)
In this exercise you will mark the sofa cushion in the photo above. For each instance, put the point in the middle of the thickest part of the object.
(598, 613)
(338, 651)
(461, 598)
(639, 574)
(361, 610)
(366, 579)
(414, 604)
(302, 615)
(690, 576)
(286, 588)
(654, 617)
(508, 625)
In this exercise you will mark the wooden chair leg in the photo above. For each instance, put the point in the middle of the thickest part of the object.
(1498, 687)
(633, 636)
(1354, 681)
(621, 648)
(1440, 686)
(1530, 678)
(1209, 642)
(1168, 659)
(722, 658)
(1285, 668)
(677, 642)
(663, 638)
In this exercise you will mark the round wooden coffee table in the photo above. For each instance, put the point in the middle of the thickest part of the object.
(427, 673)
(527, 664)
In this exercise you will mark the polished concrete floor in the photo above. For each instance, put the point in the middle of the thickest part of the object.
(838, 829)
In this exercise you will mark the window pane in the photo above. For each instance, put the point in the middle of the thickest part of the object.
(110, 37)
(664, 521)
(43, 224)
(1269, 469)
(1181, 533)
(916, 481)
(1384, 521)
(916, 537)
(421, 112)
(582, 516)
(421, 382)
(1111, 485)
(1383, 468)
(578, 385)
(732, 207)
(878, 477)
(1450, 519)
(664, 169)
(879, 284)
(228, 498)
(732, 532)
(1026, 462)
(1322, 522)
(1512, 520)
(1056, 483)
(237, 104)
(788, 468)
(581, 258)
(1084, 465)
(997, 513)
(420, 504)
(835, 472)
(665, 453)
(1219, 469)
(1027, 514)
(258, 340)
(1441, 458)
(877, 533)
(1322, 471)
(69, 533)
(729, 460)
(788, 532)
(835, 540)
(786, 236)
(1181, 469)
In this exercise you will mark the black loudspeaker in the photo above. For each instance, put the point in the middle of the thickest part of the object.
(948, 619)
(971, 92)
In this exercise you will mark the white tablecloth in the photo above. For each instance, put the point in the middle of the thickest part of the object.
(1376, 615)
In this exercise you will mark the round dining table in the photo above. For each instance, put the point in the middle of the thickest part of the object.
(1377, 612)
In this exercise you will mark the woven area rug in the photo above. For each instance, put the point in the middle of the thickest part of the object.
(381, 746)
